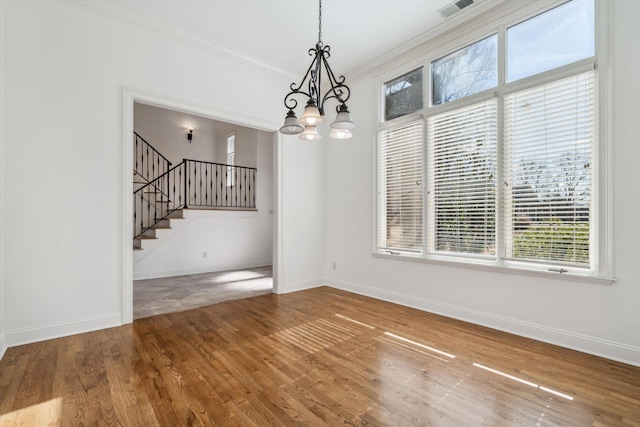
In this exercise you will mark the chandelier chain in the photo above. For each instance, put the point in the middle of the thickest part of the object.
(320, 22)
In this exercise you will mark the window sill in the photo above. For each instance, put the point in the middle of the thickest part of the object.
(491, 266)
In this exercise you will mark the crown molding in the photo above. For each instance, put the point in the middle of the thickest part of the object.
(131, 16)
(385, 60)
(465, 22)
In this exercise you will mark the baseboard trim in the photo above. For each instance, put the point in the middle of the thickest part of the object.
(3, 346)
(301, 285)
(62, 329)
(595, 346)
(197, 270)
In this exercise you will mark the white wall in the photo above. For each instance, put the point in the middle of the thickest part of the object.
(599, 319)
(63, 110)
(230, 239)
(246, 147)
(302, 212)
(166, 131)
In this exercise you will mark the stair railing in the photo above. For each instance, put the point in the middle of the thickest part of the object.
(157, 200)
(149, 164)
(193, 184)
(218, 185)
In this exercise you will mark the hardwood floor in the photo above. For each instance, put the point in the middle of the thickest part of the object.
(315, 357)
(179, 293)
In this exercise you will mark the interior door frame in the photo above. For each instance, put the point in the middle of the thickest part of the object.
(131, 96)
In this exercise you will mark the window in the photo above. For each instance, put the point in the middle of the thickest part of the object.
(462, 179)
(499, 169)
(465, 72)
(549, 131)
(403, 95)
(558, 37)
(231, 158)
(401, 180)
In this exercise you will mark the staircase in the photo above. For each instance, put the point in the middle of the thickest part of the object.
(162, 192)
(152, 211)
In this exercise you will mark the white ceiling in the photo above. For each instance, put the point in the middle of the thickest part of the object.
(280, 32)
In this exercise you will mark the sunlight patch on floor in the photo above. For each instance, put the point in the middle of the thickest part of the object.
(523, 381)
(236, 276)
(40, 414)
(426, 347)
(315, 336)
(354, 321)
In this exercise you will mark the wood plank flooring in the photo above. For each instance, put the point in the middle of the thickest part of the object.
(316, 357)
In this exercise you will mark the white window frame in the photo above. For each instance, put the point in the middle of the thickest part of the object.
(231, 159)
(601, 220)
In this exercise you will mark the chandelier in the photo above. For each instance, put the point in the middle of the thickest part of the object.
(313, 114)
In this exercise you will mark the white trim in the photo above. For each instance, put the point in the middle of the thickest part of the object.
(183, 106)
(199, 270)
(603, 175)
(231, 162)
(390, 58)
(131, 95)
(464, 26)
(375, 167)
(442, 41)
(3, 344)
(400, 121)
(301, 285)
(492, 265)
(277, 203)
(127, 208)
(587, 344)
(131, 16)
(539, 79)
(62, 329)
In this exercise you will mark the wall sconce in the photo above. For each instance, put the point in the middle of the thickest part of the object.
(190, 135)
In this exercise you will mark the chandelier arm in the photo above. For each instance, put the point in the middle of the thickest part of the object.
(332, 77)
(290, 102)
(338, 88)
(315, 82)
(312, 52)
(313, 87)
(338, 93)
(295, 89)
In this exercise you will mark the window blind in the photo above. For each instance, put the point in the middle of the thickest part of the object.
(462, 176)
(400, 154)
(549, 141)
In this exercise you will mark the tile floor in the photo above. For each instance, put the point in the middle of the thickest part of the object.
(179, 293)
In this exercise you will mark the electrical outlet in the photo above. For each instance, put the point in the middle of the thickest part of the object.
(334, 265)
(204, 254)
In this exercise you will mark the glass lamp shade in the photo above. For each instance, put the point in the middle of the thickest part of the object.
(311, 115)
(340, 133)
(291, 126)
(343, 119)
(310, 134)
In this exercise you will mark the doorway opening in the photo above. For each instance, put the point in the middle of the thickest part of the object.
(214, 251)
